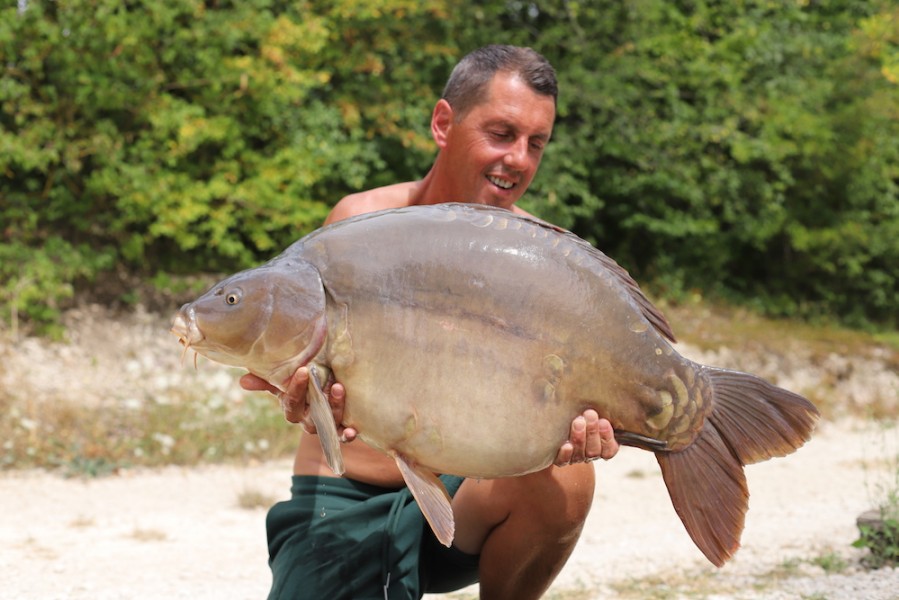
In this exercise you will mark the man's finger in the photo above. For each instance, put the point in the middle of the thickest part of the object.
(293, 398)
(578, 439)
(348, 435)
(594, 443)
(252, 383)
(609, 443)
(563, 457)
(336, 398)
(294, 409)
(298, 382)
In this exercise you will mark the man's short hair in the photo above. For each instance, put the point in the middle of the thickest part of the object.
(467, 84)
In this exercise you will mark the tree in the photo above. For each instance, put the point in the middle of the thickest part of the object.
(745, 149)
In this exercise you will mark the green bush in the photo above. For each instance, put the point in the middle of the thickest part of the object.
(748, 150)
(183, 136)
(38, 280)
(881, 540)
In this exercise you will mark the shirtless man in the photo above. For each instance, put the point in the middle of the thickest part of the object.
(362, 536)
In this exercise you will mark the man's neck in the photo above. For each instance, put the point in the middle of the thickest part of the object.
(428, 190)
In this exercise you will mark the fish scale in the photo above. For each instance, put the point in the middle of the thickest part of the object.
(447, 323)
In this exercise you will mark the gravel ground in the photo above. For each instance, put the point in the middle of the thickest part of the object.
(181, 533)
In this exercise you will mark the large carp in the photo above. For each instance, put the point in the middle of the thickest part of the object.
(448, 323)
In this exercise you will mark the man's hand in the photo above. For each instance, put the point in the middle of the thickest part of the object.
(590, 438)
(294, 404)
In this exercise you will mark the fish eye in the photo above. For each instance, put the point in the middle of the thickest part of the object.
(232, 298)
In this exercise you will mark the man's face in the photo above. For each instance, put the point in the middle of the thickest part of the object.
(493, 152)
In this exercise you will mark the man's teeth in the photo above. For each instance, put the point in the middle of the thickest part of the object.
(506, 185)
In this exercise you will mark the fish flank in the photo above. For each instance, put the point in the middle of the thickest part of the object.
(447, 312)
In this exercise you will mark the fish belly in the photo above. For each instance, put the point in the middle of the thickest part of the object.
(454, 395)
(471, 343)
(471, 396)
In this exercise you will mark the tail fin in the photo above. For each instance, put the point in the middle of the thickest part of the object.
(751, 421)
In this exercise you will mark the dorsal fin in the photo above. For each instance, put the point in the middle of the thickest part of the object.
(647, 308)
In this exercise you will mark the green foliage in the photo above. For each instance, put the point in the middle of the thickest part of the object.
(37, 280)
(745, 149)
(879, 528)
(882, 542)
(185, 135)
(831, 562)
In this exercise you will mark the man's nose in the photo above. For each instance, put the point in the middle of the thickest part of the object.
(517, 154)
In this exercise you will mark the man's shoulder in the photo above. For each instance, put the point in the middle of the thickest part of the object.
(382, 198)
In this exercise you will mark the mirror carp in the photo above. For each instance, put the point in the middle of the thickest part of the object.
(446, 323)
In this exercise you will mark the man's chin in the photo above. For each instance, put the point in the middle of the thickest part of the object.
(498, 197)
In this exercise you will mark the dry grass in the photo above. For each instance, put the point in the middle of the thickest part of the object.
(82, 522)
(148, 535)
(252, 499)
(705, 583)
(712, 327)
(96, 440)
(563, 594)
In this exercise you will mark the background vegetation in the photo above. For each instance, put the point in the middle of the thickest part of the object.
(747, 149)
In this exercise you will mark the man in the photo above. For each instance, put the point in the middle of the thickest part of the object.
(363, 536)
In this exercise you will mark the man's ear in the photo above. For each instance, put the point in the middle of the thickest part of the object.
(441, 122)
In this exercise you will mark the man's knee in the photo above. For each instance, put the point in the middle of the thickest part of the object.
(578, 482)
(560, 497)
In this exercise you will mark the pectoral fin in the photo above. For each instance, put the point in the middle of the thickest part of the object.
(432, 498)
(323, 419)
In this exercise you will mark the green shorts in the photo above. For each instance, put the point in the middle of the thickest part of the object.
(340, 539)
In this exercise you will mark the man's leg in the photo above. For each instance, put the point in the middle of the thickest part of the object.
(524, 528)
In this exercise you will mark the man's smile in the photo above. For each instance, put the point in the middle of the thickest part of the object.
(502, 183)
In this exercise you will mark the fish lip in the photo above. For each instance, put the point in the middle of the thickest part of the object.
(186, 329)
